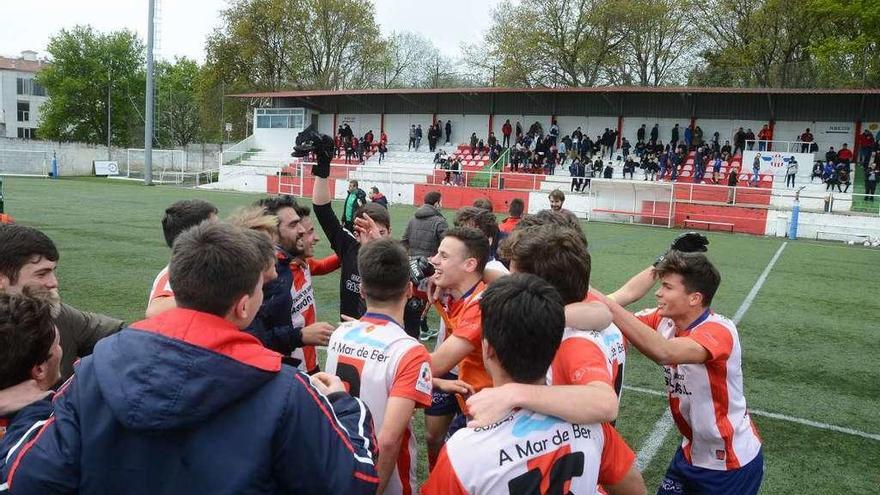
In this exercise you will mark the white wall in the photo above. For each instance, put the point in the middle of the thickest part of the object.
(464, 125)
(631, 126)
(832, 226)
(276, 140)
(397, 127)
(9, 99)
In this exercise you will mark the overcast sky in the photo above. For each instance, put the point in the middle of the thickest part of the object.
(185, 23)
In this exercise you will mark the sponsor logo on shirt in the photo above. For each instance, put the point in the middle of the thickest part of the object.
(423, 384)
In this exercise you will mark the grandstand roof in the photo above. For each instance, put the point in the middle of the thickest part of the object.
(808, 104)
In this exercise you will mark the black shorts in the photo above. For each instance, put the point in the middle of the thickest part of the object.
(443, 403)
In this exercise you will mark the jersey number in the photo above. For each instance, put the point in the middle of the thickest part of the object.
(350, 375)
(561, 471)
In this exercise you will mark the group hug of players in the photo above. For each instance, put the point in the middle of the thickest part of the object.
(520, 393)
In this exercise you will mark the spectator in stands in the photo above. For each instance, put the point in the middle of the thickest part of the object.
(456, 173)
(750, 139)
(764, 136)
(843, 174)
(688, 136)
(845, 155)
(807, 141)
(640, 134)
(699, 166)
(557, 199)
(353, 201)
(817, 171)
(382, 148)
(448, 131)
(473, 142)
(791, 172)
(418, 136)
(412, 137)
(716, 141)
(191, 378)
(663, 163)
(368, 139)
(870, 183)
(739, 141)
(377, 197)
(629, 166)
(640, 149)
(716, 168)
(726, 151)
(506, 130)
(756, 170)
(518, 129)
(674, 136)
(554, 132)
(383, 138)
(732, 181)
(491, 141)
(831, 155)
(514, 215)
(433, 136)
(866, 147)
(698, 136)
(608, 173)
(625, 146)
(655, 133)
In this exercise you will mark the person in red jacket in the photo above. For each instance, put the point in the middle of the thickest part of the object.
(764, 136)
(506, 129)
(845, 155)
(866, 147)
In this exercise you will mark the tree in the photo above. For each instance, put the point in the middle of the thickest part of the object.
(849, 53)
(178, 121)
(554, 42)
(84, 67)
(408, 58)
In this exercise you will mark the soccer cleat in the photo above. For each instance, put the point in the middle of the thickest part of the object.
(427, 335)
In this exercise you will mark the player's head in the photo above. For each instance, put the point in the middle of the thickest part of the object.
(688, 282)
(306, 246)
(384, 268)
(289, 229)
(522, 319)
(557, 197)
(477, 218)
(433, 198)
(379, 215)
(29, 343)
(218, 268)
(516, 208)
(255, 218)
(556, 254)
(483, 204)
(352, 185)
(183, 215)
(461, 257)
(562, 218)
(28, 258)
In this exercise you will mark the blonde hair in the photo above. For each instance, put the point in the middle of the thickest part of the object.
(255, 218)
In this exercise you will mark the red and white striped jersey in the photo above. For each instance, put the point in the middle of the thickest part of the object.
(377, 360)
(529, 452)
(302, 311)
(161, 286)
(589, 355)
(707, 400)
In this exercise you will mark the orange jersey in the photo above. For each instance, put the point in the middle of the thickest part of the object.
(463, 316)
(302, 312)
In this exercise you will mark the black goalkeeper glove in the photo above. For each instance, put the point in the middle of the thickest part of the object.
(321, 145)
(689, 242)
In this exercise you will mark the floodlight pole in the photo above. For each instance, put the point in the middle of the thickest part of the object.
(148, 122)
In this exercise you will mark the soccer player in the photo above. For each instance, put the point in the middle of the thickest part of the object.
(303, 266)
(720, 452)
(523, 319)
(388, 369)
(178, 217)
(30, 350)
(557, 198)
(186, 402)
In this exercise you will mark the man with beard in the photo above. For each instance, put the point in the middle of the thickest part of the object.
(28, 258)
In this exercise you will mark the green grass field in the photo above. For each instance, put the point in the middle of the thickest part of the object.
(810, 340)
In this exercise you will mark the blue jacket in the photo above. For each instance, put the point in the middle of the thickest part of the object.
(185, 403)
(273, 324)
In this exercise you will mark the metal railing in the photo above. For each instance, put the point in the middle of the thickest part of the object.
(778, 145)
(237, 152)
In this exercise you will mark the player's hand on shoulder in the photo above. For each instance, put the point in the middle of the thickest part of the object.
(453, 386)
(489, 406)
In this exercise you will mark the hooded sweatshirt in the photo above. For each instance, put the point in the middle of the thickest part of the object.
(187, 403)
(425, 230)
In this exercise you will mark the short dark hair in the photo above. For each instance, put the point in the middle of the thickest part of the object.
(353, 183)
(183, 215)
(556, 254)
(516, 207)
(377, 212)
(432, 197)
(475, 242)
(478, 218)
(697, 272)
(214, 264)
(557, 194)
(484, 204)
(274, 203)
(384, 269)
(27, 332)
(550, 217)
(18, 244)
(523, 319)
(302, 210)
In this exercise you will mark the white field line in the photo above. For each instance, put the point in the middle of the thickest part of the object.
(664, 425)
(781, 417)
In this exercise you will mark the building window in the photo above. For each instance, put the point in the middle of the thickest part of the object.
(280, 118)
(27, 87)
(27, 133)
(24, 111)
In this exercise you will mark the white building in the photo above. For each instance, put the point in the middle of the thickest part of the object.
(20, 96)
